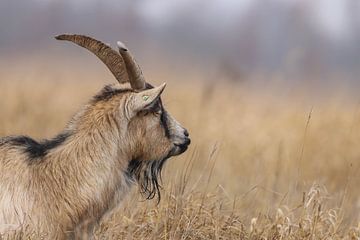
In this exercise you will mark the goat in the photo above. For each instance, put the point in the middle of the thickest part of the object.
(122, 137)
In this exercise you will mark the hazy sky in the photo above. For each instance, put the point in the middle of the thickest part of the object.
(271, 35)
(331, 15)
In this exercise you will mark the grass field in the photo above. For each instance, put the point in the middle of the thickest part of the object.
(266, 162)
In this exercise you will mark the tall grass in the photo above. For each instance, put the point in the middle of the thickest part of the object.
(265, 163)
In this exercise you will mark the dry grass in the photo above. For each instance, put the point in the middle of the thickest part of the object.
(264, 164)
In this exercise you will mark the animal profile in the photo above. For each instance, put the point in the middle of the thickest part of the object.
(121, 137)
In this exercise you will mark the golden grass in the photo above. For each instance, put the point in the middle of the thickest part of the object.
(275, 163)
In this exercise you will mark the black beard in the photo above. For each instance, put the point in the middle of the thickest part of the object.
(147, 173)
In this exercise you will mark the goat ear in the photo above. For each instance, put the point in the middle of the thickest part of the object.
(145, 99)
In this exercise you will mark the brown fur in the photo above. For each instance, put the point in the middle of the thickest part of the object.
(76, 183)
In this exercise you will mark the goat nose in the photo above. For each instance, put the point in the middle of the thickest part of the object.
(186, 133)
(187, 141)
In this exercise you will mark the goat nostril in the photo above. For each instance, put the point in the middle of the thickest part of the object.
(187, 141)
(186, 133)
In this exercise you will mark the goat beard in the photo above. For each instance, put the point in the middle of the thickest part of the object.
(147, 173)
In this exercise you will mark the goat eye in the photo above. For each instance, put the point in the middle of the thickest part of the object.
(158, 113)
(150, 112)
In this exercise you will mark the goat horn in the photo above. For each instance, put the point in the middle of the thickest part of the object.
(135, 74)
(106, 54)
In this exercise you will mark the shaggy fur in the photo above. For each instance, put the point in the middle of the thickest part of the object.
(34, 149)
(63, 187)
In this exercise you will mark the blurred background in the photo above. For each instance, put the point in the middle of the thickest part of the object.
(269, 90)
(298, 40)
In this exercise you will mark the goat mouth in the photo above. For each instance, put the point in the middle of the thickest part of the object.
(179, 149)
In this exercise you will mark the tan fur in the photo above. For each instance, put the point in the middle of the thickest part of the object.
(84, 178)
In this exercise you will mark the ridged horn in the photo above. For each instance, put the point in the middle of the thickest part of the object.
(106, 54)
(135, 74)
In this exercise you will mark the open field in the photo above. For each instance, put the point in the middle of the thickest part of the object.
(265, 162)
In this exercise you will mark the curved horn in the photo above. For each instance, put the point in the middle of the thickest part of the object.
(107, 55)
(135, 74)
